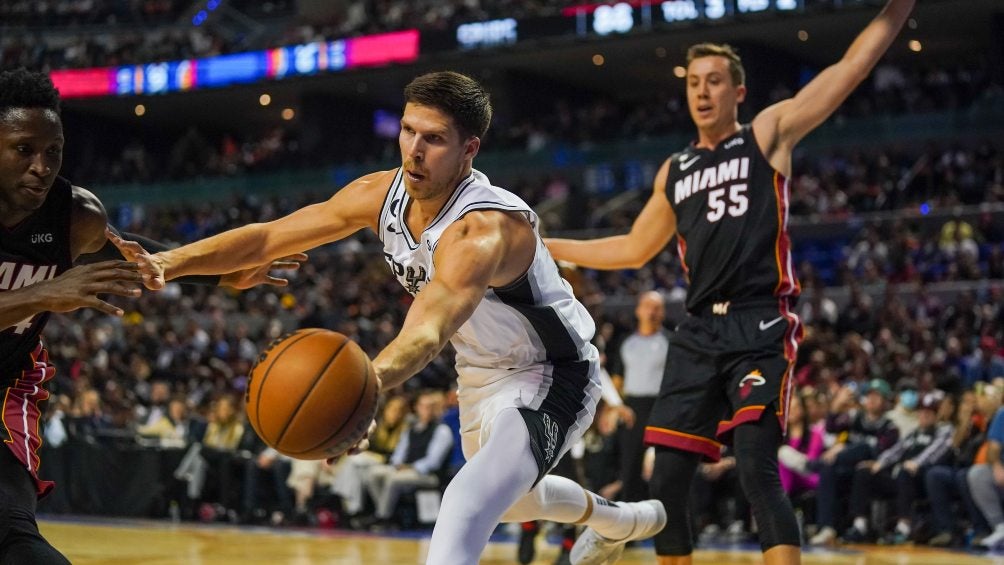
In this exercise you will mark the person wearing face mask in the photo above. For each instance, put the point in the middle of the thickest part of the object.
(904, 414)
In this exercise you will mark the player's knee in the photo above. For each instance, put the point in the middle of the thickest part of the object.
(673, 472)
(755, 445)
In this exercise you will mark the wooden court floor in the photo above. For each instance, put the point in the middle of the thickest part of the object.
(157, 543)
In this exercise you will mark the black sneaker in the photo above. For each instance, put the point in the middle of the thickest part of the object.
(527, 538)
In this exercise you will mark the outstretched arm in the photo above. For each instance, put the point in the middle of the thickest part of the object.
(472, 254)
(352, 208)
(650, 232)
(781, 126)
(93, 241)
(134, 247)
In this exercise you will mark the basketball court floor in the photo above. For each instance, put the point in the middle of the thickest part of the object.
(107, 542)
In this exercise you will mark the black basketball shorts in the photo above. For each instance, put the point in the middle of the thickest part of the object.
(726, 365)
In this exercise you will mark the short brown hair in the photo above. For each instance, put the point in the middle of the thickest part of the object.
(459, 96)
(736, 69)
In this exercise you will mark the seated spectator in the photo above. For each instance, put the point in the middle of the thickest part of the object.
(984, 365)
(986, 484)
(862, 434)
(899, 472)
(418, 459)
(275, 467)
(173, 427)
(804, 444)
(208, 463)
(946, 483)
(903, 414)
(304, 479)
(55, 433)
(88, 420)
(351, 472)
(160, 395)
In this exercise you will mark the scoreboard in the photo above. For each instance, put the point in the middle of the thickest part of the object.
(600, 20)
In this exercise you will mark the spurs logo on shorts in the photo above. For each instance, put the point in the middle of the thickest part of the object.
(551, 432)
(752, 379)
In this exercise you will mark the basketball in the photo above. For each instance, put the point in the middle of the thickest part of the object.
(312, 394)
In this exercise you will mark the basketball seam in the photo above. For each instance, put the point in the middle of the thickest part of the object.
(362, 394)
(306, 395)
(261, 385)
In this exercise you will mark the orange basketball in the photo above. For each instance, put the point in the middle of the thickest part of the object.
(312, 394)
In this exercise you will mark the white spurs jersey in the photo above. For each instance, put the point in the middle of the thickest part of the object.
(531, 321)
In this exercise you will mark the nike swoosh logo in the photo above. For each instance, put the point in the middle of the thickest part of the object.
(684, 165)
(766, 325)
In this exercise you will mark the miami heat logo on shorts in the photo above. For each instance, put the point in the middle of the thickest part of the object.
(752, 379)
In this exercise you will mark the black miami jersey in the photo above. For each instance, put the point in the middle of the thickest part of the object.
(35, 250)
(731, 211)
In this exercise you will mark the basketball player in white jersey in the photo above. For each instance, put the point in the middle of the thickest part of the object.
(470, 254)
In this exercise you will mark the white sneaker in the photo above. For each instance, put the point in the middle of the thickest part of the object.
(593, 549)
(995, 539)
(825, 536)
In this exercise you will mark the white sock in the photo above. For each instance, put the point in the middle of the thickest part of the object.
(861, 524)
(903, 527)
(611, 520)
(562, 500)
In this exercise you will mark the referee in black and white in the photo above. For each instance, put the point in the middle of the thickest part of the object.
(642, 363)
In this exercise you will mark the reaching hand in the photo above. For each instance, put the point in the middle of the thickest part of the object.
(149, 267)
(361, 446)
(80, 286)
(261, 274)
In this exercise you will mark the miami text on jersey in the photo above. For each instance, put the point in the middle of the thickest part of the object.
(14, 275)
(711, 177)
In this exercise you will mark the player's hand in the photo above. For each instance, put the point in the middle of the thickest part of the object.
(80, 286)
(361, 446)
(262, 274)
(149, 266)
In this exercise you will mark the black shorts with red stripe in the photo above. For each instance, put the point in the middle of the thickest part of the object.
(20, 414)
(726, 365)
